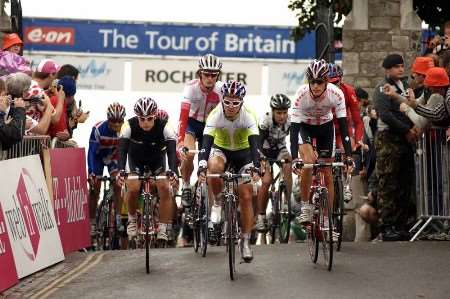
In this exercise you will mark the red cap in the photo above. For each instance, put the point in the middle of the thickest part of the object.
(47, 66)
(10, 40)
(436, 77)
(422, 64)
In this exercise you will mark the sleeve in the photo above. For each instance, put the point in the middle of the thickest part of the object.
(207, 143)
(94, 142)
(252, 124)
(263, 130)
(253, 140)
(172, 155)
(353, 106)
(434, 114)
(293, 138)
(183, 121)
(13, 132)
(344, 136)
(383, 106)
(169, 132)
(124, 144)
(210, 126)
(339, 104)
(419, 121)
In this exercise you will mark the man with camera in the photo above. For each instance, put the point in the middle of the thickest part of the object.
(12, 120)
(394, 149)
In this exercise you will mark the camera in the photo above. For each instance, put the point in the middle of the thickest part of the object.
(381, 89)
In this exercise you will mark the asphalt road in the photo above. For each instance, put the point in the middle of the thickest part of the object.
(361, 270)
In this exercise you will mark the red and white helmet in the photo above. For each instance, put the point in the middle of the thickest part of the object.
(317, 70)
(145, 107)
(115, 112)
(209, 63)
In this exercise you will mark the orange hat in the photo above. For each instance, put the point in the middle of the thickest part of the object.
(422, 64)
(10, 40)
(436, 77)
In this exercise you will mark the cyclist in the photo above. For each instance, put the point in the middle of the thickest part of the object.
(103, 151)
(145, 139)
(354, 122)
(201, 95)
(273, 129)
(230, 138)
(312, 111)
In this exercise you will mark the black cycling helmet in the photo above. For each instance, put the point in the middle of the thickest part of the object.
(280, 101)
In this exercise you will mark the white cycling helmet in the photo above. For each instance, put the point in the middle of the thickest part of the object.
(209, 63)
(317, 70)
(145, 107)
(115, 112)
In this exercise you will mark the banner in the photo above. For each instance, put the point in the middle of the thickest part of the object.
(28, 215)
(89, 36)
(172, 75)
(95, 73)
(69, 183)
(8, 273)
(286, 77)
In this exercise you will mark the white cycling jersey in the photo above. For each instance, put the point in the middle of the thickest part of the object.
(318, 111)
(201, 103)
(276, 138)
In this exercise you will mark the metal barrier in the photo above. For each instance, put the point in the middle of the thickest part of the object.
(432, 181)
(56, 143)
(30, 145)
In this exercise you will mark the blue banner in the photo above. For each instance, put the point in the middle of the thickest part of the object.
(164, 39)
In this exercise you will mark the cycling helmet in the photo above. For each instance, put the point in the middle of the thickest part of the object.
(145, 107)
(334, 72)
(280, 101)
(209, 63)
(317, 70)
(115, 112)
(234, 89)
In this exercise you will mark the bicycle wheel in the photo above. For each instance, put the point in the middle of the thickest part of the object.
(204, 219)
(284, 224)
(275, 216)
(326, 229)
(146, 218)
(311, 238)
(101, 225)
(195, 216)
(231, 233)
(338, 210)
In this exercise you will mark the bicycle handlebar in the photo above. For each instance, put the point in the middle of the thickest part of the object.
(228, 175)
(300, 165)
(282, 161)
(191, 151)
(146, 177)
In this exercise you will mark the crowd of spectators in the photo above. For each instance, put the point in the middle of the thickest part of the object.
(35, 102)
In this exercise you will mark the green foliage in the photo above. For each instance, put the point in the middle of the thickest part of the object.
(306, 12)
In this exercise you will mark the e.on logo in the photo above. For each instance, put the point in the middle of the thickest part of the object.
(50, 35)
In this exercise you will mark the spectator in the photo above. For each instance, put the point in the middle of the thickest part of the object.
(45, 75)
(12, 119)
(363, 98)
(440, 44)
(61, 128)
(68, 70)
(445, 62)
(438, 82)
(419, 70)
(395, 160)
(12, 43)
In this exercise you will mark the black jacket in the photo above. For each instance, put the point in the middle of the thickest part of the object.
(13, 132)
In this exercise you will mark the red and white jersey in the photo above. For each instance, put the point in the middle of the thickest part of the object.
(201, 103)
(318, 111)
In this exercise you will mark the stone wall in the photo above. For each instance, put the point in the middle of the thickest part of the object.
(374, 29)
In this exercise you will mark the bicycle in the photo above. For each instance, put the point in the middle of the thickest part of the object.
(150, 214)
(231, 225)
(317, 230)
(281, 204)
(199, 212)
(106, 233)
(339, 199)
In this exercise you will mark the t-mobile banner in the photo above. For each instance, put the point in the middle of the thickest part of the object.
(70, 197)
(8, 273)
(28, 213)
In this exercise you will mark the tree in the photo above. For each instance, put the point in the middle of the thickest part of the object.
(433, 12)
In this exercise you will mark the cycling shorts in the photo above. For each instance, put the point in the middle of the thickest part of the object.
(240, 161)
(323, 134)
(195, 128)
(113, 166)
(156, 166)
(277, 154)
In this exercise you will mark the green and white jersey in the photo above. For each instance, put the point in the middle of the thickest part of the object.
(231, 134)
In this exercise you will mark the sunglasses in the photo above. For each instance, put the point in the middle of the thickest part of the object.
(210, 75)
(148, 118)
(317, 81)
(232, 103)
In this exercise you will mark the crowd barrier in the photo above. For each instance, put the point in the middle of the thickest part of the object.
(30, 145)
(432, 181)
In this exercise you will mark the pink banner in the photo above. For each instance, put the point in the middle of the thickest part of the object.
(8, 272)
(70, 196)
